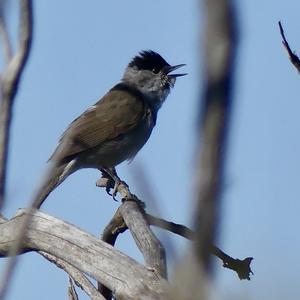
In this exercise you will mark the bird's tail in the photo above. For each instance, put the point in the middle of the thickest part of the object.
(56, 175)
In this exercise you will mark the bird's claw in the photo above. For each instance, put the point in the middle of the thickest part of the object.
(115, 189)
(113, 182)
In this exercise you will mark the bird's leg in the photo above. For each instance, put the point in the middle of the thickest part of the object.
(112, 173)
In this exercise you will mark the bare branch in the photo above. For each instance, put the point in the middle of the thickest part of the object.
(220, 48)
(114, 228)
(132, 212)
(292, 56)
(179, 229)
(150, 246)
(9, 86)
(7, 49)
(72, 291)
(241, 267)
(120, 273)
(82, 281)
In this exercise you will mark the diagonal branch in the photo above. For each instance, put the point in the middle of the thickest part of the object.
(151, 248)
(292, 56)
(130, 215)
(241, 267)
(132, 212)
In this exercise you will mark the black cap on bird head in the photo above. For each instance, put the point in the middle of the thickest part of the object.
(148, 60)
(152, 61)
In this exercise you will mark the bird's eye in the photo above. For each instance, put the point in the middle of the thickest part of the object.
(155, 70)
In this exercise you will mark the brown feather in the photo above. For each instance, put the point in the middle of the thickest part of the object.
(102, 122)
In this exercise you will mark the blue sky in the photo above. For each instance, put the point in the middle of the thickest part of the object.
(80, 51)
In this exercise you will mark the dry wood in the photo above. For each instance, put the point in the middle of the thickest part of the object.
(79, 278)
(133, 215)
(120, 273)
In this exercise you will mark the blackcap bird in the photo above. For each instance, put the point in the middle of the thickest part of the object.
(116, 127)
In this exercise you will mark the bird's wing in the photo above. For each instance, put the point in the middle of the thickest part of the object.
(119, 111)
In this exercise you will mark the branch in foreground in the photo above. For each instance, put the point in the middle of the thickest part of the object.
(81, 280)
(292, 56)
(120, 273)
(220, 47)
(7, 49)
(9, 86)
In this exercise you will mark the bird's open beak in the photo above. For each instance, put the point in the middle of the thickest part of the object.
(170, 69)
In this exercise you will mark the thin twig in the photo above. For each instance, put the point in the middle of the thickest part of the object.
(72, 291)
(179, 229)
(241, 267)
(9, 86)
(292, 56)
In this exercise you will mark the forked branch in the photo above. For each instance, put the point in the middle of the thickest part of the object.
(120, 273)
(10, 81)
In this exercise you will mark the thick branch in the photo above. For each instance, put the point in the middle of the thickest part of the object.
(292, 56)
(150, 246)
(133, 215)
(120, 273)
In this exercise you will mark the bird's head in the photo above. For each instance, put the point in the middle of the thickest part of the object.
(151, 75)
